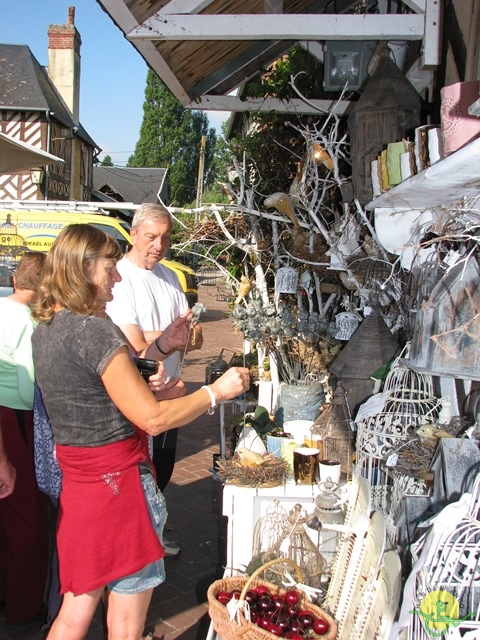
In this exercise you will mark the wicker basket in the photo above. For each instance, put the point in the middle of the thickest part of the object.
(240, 628)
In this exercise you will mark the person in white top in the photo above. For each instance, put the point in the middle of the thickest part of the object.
(145, 304)
(24, 522)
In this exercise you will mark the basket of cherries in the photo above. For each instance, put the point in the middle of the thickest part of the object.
(251, 608)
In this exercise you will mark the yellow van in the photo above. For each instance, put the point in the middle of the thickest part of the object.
(37, 229)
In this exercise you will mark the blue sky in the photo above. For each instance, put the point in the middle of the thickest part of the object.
(113, 74)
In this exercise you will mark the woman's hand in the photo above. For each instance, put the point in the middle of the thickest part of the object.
(158, 380)
(173, 389)
(231, 384)
(7, 477)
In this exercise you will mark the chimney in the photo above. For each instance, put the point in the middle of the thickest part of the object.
(64, 61)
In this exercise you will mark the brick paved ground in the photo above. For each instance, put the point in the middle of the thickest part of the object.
(194, 501)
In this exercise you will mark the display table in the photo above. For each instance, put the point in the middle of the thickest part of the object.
(244, 506)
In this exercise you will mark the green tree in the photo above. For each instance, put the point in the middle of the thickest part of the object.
(107, 161)
(216, 181)
(170, 137)
(272, 143)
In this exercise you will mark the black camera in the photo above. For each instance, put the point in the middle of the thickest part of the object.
(146, 367)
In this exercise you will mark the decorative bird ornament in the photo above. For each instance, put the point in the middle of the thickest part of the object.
(282, 202)
(295, 190)
(321, 156)
(243, 289)
(429, 432)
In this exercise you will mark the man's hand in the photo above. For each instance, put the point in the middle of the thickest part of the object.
(175, 336)
(7, 477)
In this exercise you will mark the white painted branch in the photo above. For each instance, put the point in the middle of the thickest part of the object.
(370, 228)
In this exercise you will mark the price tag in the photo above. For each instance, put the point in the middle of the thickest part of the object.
(372, 407)
(285, 545)
(232, 608)
(451, 258)
(392, 460)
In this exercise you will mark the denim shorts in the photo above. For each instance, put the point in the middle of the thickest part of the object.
(153, 574)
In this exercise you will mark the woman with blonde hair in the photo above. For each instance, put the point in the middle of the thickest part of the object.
(111, 512)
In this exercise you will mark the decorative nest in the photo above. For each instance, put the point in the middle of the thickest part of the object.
(271, 472)
(208, 229)
(298, 245)
(415, 454)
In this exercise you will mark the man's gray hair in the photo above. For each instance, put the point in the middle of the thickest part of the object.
(150, 211)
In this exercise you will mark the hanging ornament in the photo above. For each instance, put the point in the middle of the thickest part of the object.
(346, 323)
(445, 414)
(286, 280)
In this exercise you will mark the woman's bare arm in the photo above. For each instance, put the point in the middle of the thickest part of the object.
(131, 395)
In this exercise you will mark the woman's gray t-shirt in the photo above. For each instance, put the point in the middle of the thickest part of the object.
(69, 355)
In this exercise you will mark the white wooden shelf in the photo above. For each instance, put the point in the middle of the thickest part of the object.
(444, 183)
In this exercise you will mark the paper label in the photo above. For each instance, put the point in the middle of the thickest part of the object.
(392, 460)
(372, 407)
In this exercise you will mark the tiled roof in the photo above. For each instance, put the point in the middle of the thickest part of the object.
(131, 184)
(25, 86)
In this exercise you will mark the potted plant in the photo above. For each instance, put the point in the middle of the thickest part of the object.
(249, 430)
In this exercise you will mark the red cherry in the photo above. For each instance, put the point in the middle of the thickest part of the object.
(278, 601)
(296, 626)
(251, 597)
(265, 603)
(236, 593)
(254, 616)
(292, 597)
(292, 611)
(223, 597)
(293, 635)
(262, 589)
(284, 621)
(306, 618)
(320, 626)
(264, 622)
(276, 629)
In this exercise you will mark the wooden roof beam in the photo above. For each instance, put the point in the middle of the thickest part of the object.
(124, 18)
(281, 27)
(295, 105)
(180, 6)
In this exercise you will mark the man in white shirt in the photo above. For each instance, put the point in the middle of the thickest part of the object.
(145, 303)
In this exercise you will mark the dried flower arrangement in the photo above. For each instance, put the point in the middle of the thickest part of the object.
(292, 337)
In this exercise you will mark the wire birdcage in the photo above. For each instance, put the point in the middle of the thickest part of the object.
(449, 561)
(409, 402)
(296, 544)
(334, 427)
(269, 527)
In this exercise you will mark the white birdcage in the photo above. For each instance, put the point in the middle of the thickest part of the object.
(447, 572)
(409, 402)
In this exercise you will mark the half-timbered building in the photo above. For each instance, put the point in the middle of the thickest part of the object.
(40, 106)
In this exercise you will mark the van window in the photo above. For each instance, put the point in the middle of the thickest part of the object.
(122, 241)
